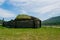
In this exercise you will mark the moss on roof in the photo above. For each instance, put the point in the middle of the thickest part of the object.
(23, 16)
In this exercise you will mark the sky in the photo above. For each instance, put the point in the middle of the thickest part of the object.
(42, 9)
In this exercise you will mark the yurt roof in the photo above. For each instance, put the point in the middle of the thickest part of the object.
(23, 16)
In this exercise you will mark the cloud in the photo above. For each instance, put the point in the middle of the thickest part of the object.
(6, 13)
(48, 8)
(32, 2)
(23, 12)
(55, 12)
(2, 1)
(40, 7)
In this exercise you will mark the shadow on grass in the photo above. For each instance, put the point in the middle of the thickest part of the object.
(18, 27)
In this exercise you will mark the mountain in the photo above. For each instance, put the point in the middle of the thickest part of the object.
(52, 21)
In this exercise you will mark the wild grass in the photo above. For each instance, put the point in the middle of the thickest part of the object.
(43, 33)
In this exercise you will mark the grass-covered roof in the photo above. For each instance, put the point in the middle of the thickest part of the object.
(23, 16)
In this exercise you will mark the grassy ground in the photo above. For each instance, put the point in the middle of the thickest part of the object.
(44, 33)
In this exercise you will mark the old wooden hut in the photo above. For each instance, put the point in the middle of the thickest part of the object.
(23, 21)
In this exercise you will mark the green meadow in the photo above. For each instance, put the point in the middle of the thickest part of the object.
(43, 33)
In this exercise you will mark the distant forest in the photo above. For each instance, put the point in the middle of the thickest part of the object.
(52, 21)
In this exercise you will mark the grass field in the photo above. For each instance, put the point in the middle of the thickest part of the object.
(44, 33)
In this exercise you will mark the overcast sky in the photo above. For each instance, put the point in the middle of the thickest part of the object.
(42, 9)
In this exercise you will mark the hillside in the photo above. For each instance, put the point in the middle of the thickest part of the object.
(52, 21)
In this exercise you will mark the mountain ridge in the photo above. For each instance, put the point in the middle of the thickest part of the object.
(52, 21)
